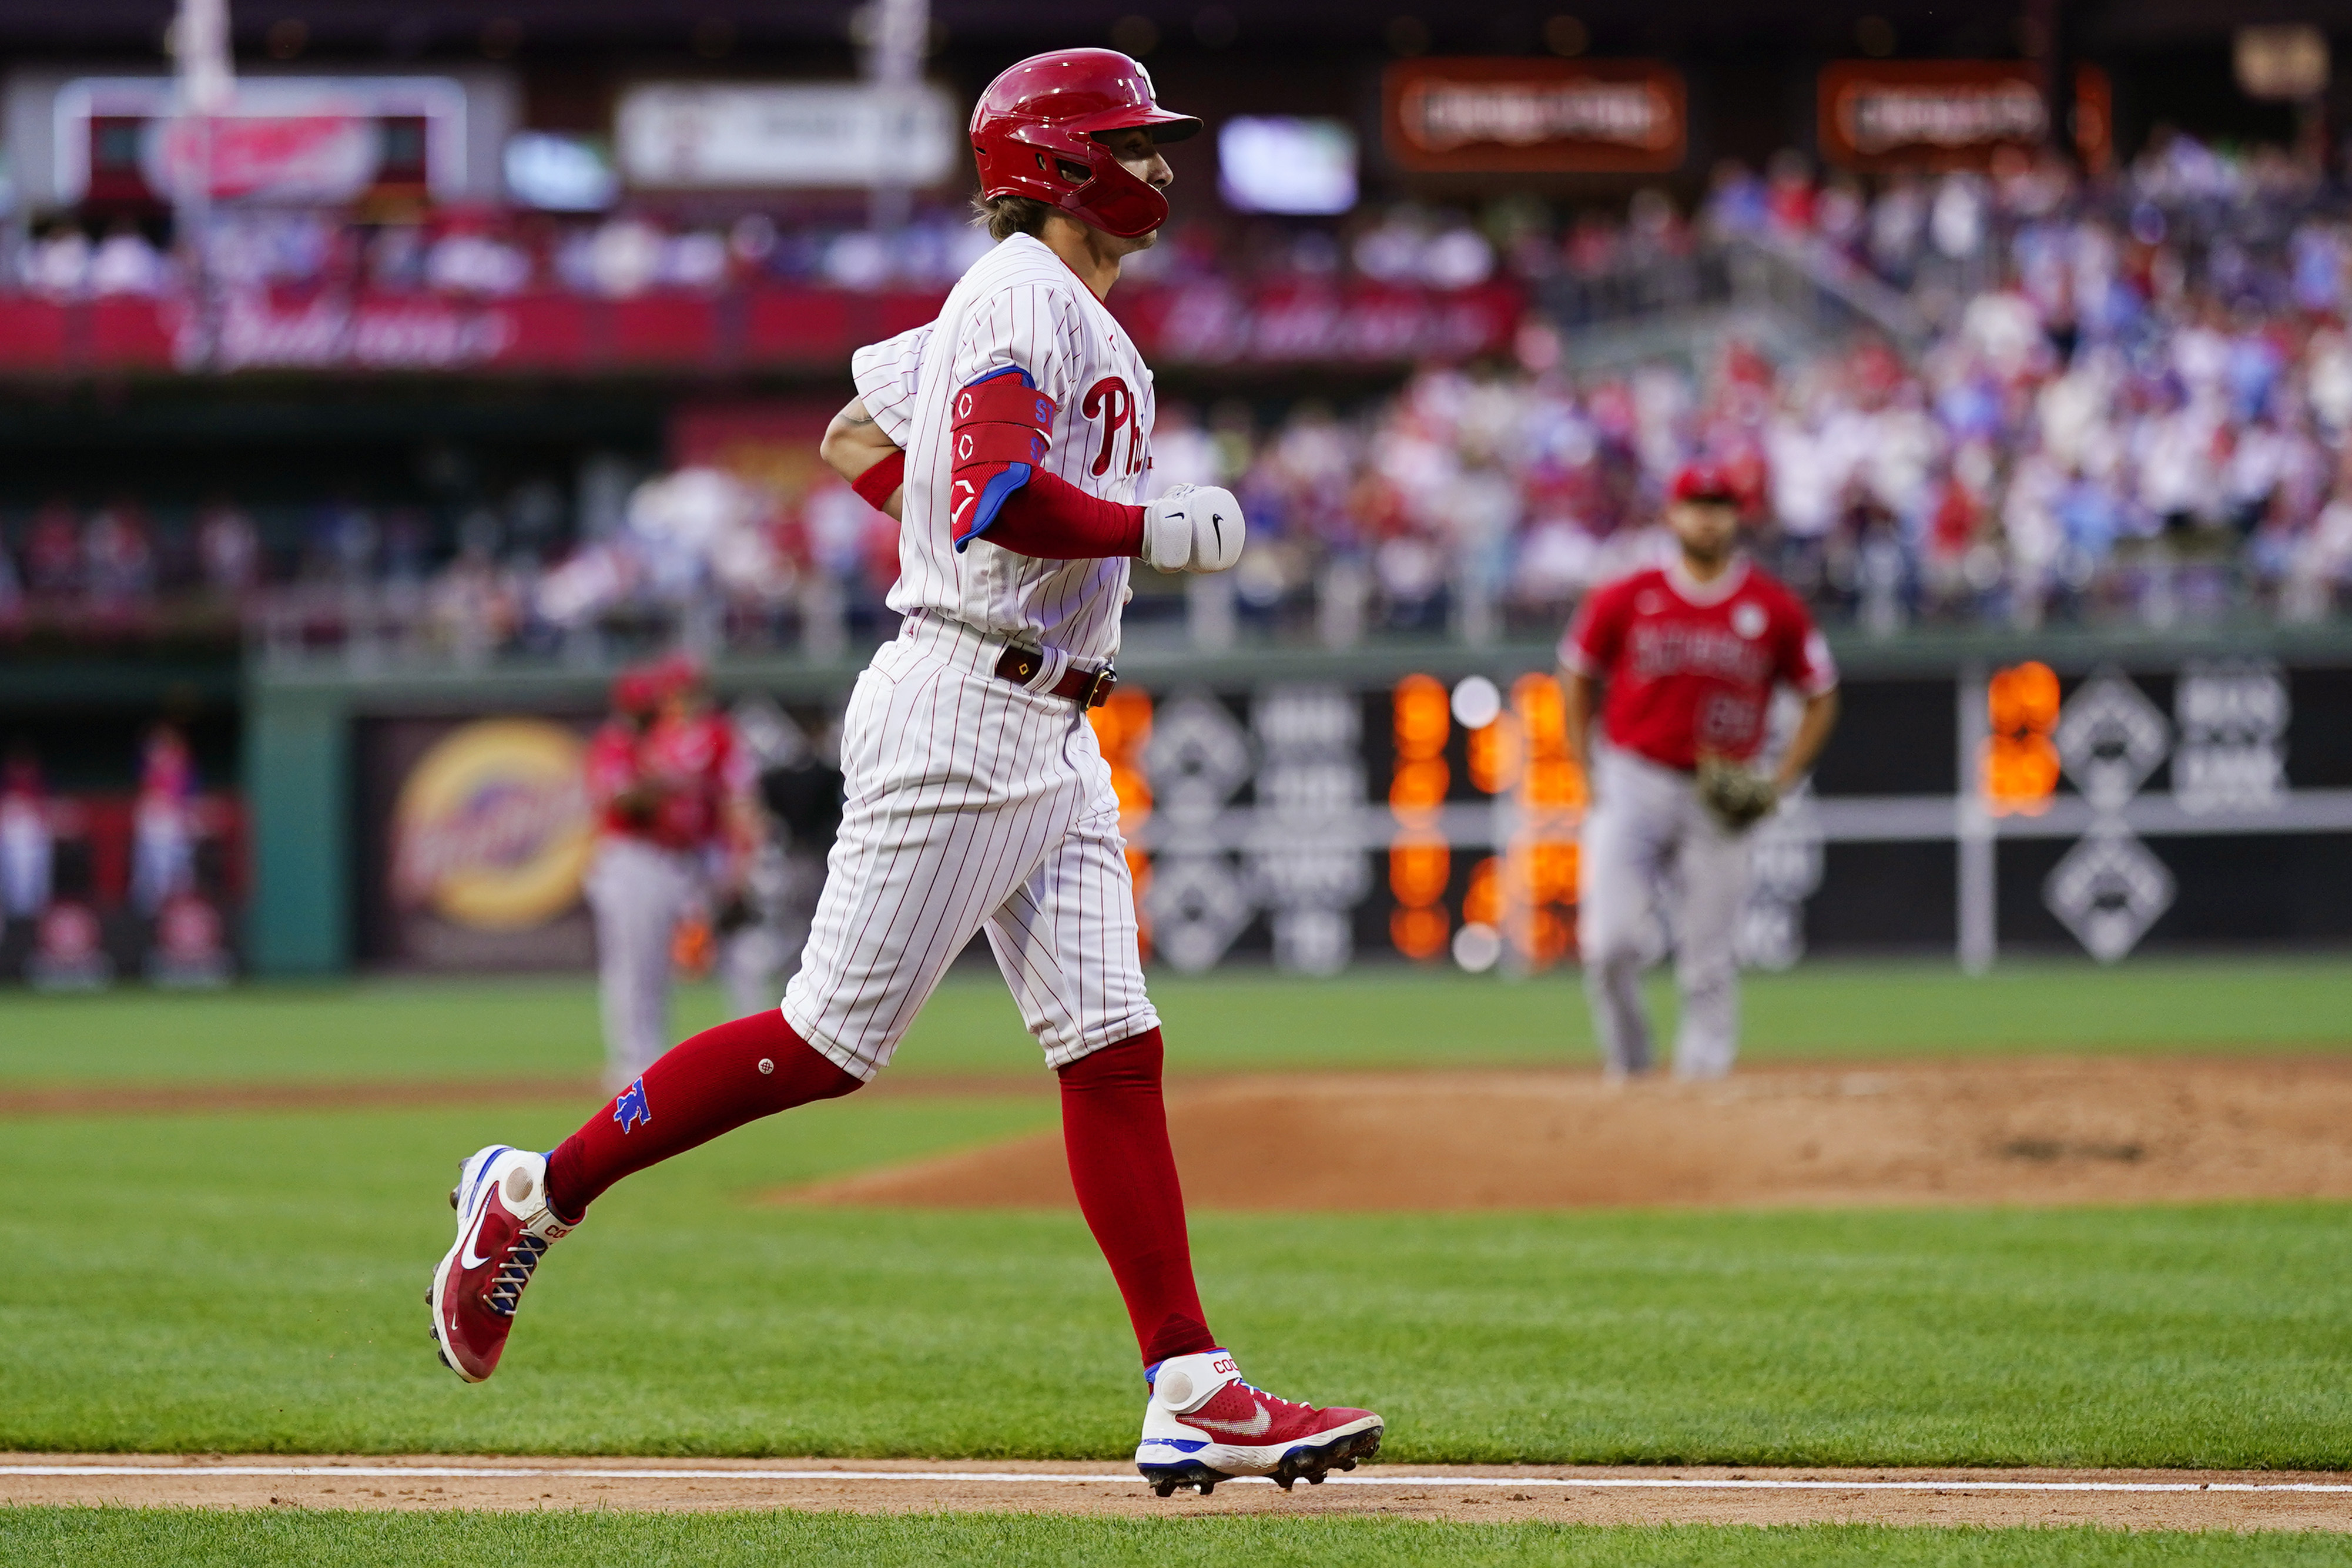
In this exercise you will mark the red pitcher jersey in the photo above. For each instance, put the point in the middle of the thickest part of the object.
(1019, 307)
(691, 768)
(1690, 667)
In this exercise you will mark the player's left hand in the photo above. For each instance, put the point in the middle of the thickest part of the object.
(1738, 797)
(1194, 528)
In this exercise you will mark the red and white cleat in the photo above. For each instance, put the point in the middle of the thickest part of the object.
(504, 1228)
(1204, 1425)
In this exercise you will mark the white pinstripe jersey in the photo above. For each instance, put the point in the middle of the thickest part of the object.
(1019, 305)
(888, 374)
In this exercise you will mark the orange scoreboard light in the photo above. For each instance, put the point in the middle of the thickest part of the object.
(1122, 730)
(2020, 758)
(1420, 865)
(1521, 898)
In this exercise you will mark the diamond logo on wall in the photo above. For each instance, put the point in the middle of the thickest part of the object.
(1197, 757)
(1198, 906)
(2108, 890)
(2110, 737)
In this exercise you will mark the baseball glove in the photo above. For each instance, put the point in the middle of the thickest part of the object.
(1738, 796)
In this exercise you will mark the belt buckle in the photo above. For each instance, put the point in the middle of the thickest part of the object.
(1100, 686)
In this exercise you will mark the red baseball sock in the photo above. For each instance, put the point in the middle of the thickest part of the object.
(711, 1084)
(1115, 1133)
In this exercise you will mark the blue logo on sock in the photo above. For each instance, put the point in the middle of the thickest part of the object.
(630, 1108)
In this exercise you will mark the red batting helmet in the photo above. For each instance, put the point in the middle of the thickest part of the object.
(1034, 130)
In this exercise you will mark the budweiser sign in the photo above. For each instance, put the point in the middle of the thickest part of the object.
(253, 332)
(1516, 116)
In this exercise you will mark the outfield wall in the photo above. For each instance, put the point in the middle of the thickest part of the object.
(1325, 808)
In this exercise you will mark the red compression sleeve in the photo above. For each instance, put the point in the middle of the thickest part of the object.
(1115, 1131)
(1053, 518)
(713, 1083)
(877, 482)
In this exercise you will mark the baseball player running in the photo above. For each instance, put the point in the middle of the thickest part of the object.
(1687, 655)
(976, 796)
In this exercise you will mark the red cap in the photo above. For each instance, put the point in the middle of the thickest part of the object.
(1704, 481)
(674, 673)
(635, 691)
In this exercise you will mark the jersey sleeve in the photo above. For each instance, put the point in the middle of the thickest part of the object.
(1589, 645)
(885, 374)
(1805, 662)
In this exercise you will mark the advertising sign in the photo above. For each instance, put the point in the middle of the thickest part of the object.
(481, 834)
(283, 139)
(780, 136)
(1528, 116)
(1884, 113)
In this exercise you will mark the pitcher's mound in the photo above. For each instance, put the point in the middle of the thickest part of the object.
(2041, 1132)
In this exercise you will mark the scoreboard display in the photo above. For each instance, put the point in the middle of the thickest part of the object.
(1434, 821)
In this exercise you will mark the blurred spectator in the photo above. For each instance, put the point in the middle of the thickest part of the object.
(228, 548)
(118, 557)
(27, 845)
(162, 822)
(53, 552)
(125, 263)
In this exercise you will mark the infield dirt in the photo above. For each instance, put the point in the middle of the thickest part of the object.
(2042, 1130)
(1485, 1494)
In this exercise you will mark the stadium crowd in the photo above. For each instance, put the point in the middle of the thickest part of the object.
(2130, 401)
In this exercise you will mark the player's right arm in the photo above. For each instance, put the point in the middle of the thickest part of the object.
(865, 443)
(873, 464)
(1587, 651)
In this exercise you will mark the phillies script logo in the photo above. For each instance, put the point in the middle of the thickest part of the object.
(1109, 401)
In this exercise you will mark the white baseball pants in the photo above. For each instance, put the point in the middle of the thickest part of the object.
(972, 804)
(637, 891)
(1649, 847)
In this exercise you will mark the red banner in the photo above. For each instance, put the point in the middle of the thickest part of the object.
(1942, 114)
(1531, 116)
(781, 328)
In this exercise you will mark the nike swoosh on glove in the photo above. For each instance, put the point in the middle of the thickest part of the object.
(1194, 528)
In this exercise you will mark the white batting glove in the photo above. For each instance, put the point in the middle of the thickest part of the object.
(1194, 528)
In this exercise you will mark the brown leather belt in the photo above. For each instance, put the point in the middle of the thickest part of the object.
(1086, 687)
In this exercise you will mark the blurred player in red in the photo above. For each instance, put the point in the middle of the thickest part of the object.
(671, 790)
(1684, 658)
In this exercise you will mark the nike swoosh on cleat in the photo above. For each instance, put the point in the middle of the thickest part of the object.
(1253, 1428)
(467, 1259)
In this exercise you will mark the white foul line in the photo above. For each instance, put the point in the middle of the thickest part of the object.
(1658, 1483)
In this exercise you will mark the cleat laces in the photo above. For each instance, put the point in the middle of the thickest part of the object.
(505, 1289)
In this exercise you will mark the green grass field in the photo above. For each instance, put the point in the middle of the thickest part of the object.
(251, 1283)
(393, 1029)
(124, 1537)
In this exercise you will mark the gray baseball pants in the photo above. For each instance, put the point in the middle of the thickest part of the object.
(1650, 849)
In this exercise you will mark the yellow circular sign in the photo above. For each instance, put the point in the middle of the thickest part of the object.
(492, 830)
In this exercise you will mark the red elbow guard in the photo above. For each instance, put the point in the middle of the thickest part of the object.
(877, 482)
(1000, 434)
